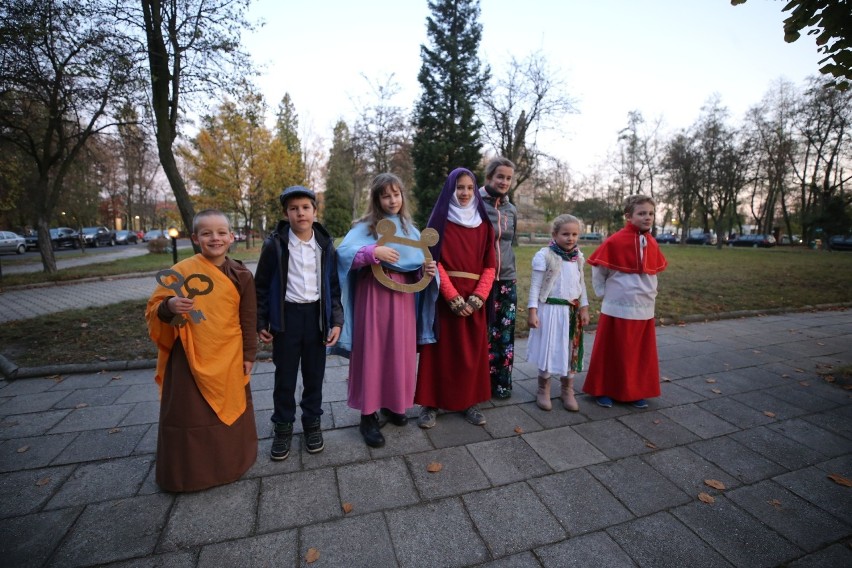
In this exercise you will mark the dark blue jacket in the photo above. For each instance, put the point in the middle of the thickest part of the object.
(270, 280)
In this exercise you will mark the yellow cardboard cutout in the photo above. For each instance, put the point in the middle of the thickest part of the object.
(428, 238)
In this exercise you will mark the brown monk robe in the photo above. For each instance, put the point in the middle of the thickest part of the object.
(207, 433)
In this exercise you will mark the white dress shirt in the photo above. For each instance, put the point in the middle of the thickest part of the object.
(302, 274)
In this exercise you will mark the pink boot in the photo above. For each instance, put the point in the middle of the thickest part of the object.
(568, 400)
(542, 395)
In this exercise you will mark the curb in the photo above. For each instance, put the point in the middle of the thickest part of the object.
(12, 372)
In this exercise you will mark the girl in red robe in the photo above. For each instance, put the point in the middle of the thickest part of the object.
(453, 373)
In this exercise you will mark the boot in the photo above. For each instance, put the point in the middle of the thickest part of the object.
(369, 429)
(568, 400)
(542, 395)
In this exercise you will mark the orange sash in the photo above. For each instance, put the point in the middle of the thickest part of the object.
(214, 347)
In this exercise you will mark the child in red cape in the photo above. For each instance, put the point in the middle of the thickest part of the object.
(624, 364)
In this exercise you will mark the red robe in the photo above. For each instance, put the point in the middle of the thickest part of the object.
(453, 374)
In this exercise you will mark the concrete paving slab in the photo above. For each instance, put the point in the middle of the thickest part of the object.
(734, 534)
(103, 481)
(639, 486)
(114, 530)
(778, 448)
(800, 522)
(93, 445)
(564, 448)
(699, 421)
(588, 551)
(508, 460)
(811, 436)
(36, 402)
(509, 421)
(275, 549)
(734, 412)
(358, 541)
(437, 533)
(377, 485)
(80, 398)
(521, 560)
(558, 416)
(688, 470)
(142, 413)
(28, 453)
(452, 429)
(148, 443)
(205, 517)
(84, 381)
(511, 519)
(661, 541)
(167, 560)
(836, 555)
(30, 540)
(613, 438)
(658, 429)
(298, 499)
(401, 440)
(835, 420)
(25, 492)
(674, 394)
(580, 502)
(31, 386)
(91, 418)
(739, 461)
(813, 485)
(460, 473)
(32, 424)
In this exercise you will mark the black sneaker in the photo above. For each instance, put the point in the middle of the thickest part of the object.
(281, 442)
(313, 435)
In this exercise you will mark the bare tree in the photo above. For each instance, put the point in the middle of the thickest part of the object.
(527, 99)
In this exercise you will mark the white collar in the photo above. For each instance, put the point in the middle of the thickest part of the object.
(296, 241)
(464, 216)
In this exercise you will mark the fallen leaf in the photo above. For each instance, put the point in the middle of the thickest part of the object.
(114, 430)
(102, 358)
(799, 370)
(84, 325)
(717, 391)
(829, 378)
(666, 380)
(116, 378)
(312, 555)
(755, 350)
(775, 503)
(805, 383)
(785, 376)
(715, 484)
(347, 508)
(820, 343)
(650, 445)
(840, 480)
(23, 449)
(519, 430)
(706, 498)
(43, 481)
(434, 467)
(769, 414)
(711, 380)
(82, 405)
(657, 421)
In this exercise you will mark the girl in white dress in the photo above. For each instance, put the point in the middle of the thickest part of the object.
(558, 311)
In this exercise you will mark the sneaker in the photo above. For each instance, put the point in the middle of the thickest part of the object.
(605, 401)
(427, 417)
(641, 403)
(281, 442)
(474, 416)
(501, 393)
(313, 435)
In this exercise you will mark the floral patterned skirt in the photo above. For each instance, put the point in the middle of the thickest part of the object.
(501, 337)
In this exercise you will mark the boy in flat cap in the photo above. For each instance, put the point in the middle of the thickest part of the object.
(299, 311)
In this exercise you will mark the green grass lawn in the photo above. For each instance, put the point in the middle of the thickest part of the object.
(699, 280)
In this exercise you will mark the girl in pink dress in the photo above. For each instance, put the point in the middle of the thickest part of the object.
(380, 331)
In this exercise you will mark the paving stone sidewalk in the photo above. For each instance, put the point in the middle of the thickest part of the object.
(742, 404)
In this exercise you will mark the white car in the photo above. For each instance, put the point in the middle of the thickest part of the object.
(12, 242)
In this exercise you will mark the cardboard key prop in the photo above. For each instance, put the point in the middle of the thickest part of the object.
(178, 285)
(428, 238)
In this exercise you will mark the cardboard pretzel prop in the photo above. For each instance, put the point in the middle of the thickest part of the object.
(428, 238)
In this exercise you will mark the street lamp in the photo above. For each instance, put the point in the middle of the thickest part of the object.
(173, 233)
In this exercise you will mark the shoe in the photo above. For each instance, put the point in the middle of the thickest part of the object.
(605, 401)
(283, 433)
(641, 403)
(427, 417)
(542, 395)
(313, 435)
(395, 418)
(474, 416)
(501, 393)
(567, 396)
(369, 428)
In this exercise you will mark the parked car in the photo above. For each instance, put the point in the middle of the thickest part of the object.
(154, 234)
(125, 237)
(591, 237)
(790, 240)
(755, 241)
(31, 237)
(97, 236)
(64, 237)
(840, 242)
(667, 239)
(12, 242)
(701, 238)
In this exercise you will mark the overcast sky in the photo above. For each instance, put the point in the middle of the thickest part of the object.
(665, 58)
